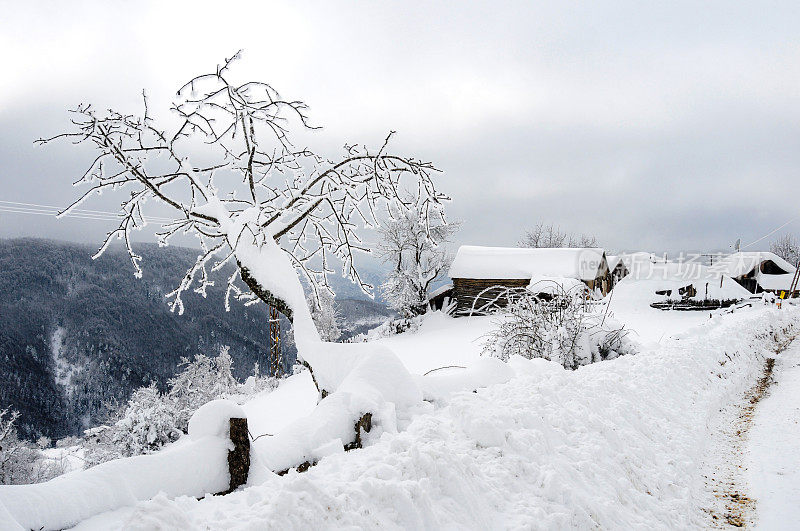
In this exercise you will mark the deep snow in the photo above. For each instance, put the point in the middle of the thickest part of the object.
(617, 445)
(773, 460)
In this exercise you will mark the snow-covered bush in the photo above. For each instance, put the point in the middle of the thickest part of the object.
(257, 382)
(389, 328)
(558, 326)
(201, 380)
(148, 423)
(20, 461)
(152, 419)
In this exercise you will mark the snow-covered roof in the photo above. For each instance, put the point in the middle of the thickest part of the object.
(738, 264)
(438, 291)
(775, 282)
(639, 259)
(556, 285)
(525, 263)
(613, 261)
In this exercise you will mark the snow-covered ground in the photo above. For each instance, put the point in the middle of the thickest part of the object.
(773, 460)
(440, 341)
(629, 301)
(619, 444)
(272, 411)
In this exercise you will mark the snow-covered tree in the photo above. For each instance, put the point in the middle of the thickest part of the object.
(552, 236)
(232, 176)
(150, 419)
(414, 242)
(202, 380)
(20, 461)
(147, 424)
(787, 248)
(325, 315)
(14, 460)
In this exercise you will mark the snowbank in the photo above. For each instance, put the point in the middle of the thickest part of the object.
(486, 371)
(614, 445)
(440, 340)
(378, 384)
(707, 285)
(271, 411)
(629, 301)
(195, 466)
(213, 419)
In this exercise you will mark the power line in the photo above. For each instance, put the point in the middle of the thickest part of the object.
(78, 215)
(770, 233)
(78, 210)
(16, 207)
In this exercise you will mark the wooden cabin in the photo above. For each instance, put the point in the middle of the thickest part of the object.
(618, 269)
(481, 274)
(757, 271)
(441, 297)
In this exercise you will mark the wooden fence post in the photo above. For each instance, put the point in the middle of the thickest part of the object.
(239, 457)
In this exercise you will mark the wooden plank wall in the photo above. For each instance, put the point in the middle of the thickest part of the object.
(466, 290)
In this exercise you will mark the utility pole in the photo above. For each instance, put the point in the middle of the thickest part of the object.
(795, 279)
(710, 256)
(275, 341)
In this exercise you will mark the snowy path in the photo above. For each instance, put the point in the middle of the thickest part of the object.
(728, 505)
(773, 461)
(752, 468)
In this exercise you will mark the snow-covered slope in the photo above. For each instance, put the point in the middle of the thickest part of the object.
(440, 341)
(615, 445)
(629, 301)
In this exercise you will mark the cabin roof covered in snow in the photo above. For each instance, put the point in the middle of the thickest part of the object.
(738, 264)
(525, 263)
(775, 282)
(640, 259)
(438, 291)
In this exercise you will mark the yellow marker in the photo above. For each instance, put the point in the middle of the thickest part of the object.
(783, 294)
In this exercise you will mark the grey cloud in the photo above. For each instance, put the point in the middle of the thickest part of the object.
(660, 126)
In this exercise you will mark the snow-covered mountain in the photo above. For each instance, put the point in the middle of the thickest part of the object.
(77, 334)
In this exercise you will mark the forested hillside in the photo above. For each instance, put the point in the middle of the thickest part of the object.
(78, 334)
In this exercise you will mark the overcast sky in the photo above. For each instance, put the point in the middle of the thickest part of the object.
(659, 126)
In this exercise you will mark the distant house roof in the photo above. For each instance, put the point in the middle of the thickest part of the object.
(775, 282)
(525, 263)
(640, 259)
(742, 263)
(613, 261)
